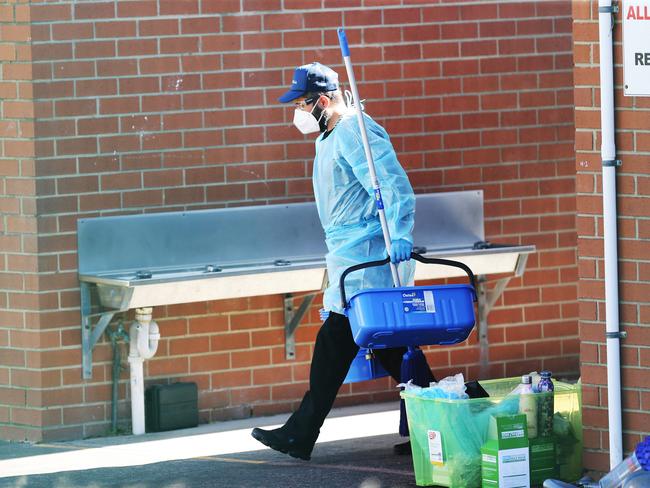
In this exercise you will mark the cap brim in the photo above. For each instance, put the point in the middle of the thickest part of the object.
(291, 95)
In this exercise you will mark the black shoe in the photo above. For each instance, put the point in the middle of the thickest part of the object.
(280, 441)
(402, 449)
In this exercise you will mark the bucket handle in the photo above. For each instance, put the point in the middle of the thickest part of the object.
(417, 257)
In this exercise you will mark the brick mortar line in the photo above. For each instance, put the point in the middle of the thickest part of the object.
(422, 4)
(381, 9)
(194, 204)
(621, 109)
(262, 67)
(278, 106)
(401, 118)
(626, 324)
(423, 7)
(542, 304)
(180, 74)
(176, 55)
(629, 282)
(602, 321)
(100, 138)
(591, 65)
(172, 74)
(407, 117)
(289, 142)
(135, 151)
(362, 28)
(504, 219)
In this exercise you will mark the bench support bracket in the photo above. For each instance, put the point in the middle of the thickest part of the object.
(291, 321)
(89, 334)
(486, 300)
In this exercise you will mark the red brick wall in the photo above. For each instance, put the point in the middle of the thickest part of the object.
(149, 105)
(633, 179)
(19, 300)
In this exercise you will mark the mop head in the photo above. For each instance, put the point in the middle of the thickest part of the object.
(416, 369)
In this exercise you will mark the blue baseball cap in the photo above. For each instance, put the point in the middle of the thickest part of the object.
(313, 77)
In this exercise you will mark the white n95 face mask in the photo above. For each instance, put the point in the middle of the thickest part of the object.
(305, 122)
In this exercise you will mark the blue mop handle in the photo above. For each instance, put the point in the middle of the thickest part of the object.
(345, 50)
(343, 41)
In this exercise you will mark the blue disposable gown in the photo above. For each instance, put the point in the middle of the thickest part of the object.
(347, 211)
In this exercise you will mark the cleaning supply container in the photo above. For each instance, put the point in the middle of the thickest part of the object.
(447, 435)
(414, 315)
(365, 366)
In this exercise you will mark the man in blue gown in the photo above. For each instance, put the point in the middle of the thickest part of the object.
(346, 207)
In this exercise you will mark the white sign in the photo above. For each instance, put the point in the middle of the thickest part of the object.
(636, 47)
(514, 468)
(435, 448)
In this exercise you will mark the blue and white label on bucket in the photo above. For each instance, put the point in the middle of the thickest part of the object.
(418, 301)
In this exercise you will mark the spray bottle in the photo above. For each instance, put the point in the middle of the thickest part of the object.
(528, 404)
(640, 459)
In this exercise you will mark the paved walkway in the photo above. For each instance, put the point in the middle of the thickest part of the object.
(354, 450)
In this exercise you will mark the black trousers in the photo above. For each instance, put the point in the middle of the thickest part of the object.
(334, 352)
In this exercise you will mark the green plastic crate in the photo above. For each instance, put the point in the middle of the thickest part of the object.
(463, 426)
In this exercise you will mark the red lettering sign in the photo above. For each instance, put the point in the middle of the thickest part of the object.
(634, 13)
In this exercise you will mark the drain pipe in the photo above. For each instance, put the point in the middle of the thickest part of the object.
(115, 336)
(143, 343)
(608, 155)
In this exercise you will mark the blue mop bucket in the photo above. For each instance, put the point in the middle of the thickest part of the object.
(364, 367)
(414, 315)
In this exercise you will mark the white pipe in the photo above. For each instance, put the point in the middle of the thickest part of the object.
(137, 395)
(148, 335)
(608, 155)
(144, 335)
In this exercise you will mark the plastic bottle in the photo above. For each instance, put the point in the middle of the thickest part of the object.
(528, 404)
(545, 404)
(640, 459)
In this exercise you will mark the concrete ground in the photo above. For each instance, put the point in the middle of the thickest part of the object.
(354, 450)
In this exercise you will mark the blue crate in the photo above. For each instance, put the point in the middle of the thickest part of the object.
(411, 316)
(363, 369)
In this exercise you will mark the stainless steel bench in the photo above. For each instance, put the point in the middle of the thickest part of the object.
(147, 260)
